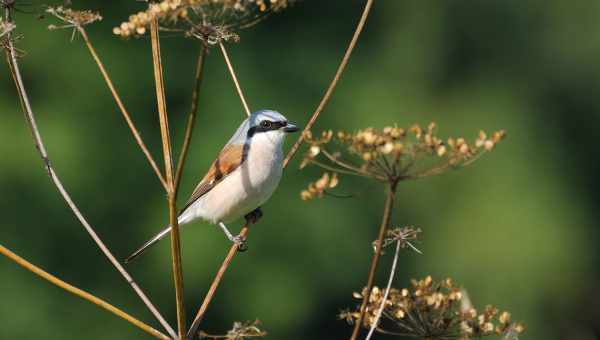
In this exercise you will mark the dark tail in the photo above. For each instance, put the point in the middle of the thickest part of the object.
(146, 245)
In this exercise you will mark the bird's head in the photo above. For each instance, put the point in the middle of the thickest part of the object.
(269, 125)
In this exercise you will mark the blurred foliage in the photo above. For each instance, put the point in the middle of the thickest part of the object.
(518, 228)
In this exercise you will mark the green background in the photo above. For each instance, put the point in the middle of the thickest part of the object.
(518, 229)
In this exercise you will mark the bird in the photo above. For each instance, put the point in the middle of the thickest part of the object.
(243, 177)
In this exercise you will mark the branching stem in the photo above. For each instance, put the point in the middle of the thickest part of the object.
(113, 91)
(13, 64)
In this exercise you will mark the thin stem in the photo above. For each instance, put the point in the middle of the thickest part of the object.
(339, 162)
(213, 287)
(387, 213)
(333, 83)
(387, 291)
(81, 293)
(113, 91)
(234, 77)
(166, 142)
(191, 122)
(39, 144)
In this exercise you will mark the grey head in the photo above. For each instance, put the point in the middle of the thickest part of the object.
(263, 124)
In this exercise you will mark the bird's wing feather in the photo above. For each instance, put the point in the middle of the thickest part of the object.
(229, 159)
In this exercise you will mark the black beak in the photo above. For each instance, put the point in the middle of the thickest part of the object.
(290, 128)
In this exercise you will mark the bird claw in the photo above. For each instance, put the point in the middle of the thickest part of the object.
(254, 216)
(240, 241)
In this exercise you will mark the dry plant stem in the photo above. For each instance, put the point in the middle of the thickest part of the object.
(191, 118)
(113, 91)
(387, 291)
(334, 82)
(81, 293)
(39, 144)
(166, 142)
(213, 287)
(235, 80)
(387, 213)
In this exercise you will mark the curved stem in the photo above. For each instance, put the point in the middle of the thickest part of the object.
(333, 83)
(387, 213)
(39, 145)
(80, 293)
(191, 118)
(113, 91)
(171, 193)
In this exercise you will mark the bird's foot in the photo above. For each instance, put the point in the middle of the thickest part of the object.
(254, 216)
(240, 241)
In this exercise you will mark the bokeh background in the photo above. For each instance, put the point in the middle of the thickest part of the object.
(518, 229)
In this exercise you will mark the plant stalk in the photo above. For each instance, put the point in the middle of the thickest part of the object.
(334, 82)
(213, 287)
(81, 293)
(171, 193)
(191, 122)
(387, 214)
(235, 80)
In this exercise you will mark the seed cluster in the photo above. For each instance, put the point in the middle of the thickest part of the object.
(72, 18)
(393, 153)
(208, 20)
(431, 310)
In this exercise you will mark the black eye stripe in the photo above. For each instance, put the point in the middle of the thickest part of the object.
(260, 128)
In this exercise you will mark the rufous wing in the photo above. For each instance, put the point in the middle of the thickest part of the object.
(229, 159)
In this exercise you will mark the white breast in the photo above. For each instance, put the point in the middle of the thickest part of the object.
(242, 191)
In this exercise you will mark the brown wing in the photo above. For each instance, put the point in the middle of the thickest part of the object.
(229, 159)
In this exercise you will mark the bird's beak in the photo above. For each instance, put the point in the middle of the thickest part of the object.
(290, 128)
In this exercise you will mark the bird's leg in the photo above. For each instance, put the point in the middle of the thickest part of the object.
(253, 216)
(239, 240)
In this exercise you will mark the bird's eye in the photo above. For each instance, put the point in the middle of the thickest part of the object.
(265, 124)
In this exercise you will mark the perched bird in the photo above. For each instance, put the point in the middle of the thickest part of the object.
(241, 179)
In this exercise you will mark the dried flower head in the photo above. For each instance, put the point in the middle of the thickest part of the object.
(405, 235)
(240, 331)
(211, 21)
(394, 154)
(72, 18)
(431, 310)
(318, 188)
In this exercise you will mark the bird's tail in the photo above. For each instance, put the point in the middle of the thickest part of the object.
(146, 245)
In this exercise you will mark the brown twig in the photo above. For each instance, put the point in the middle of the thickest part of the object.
(213, 287)
(81, 293)
(113, 91)
(13, 64)
(333, 83)
(172, 200)
(191, 122)
(387, 291)
(387, 213)
(234, 77)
